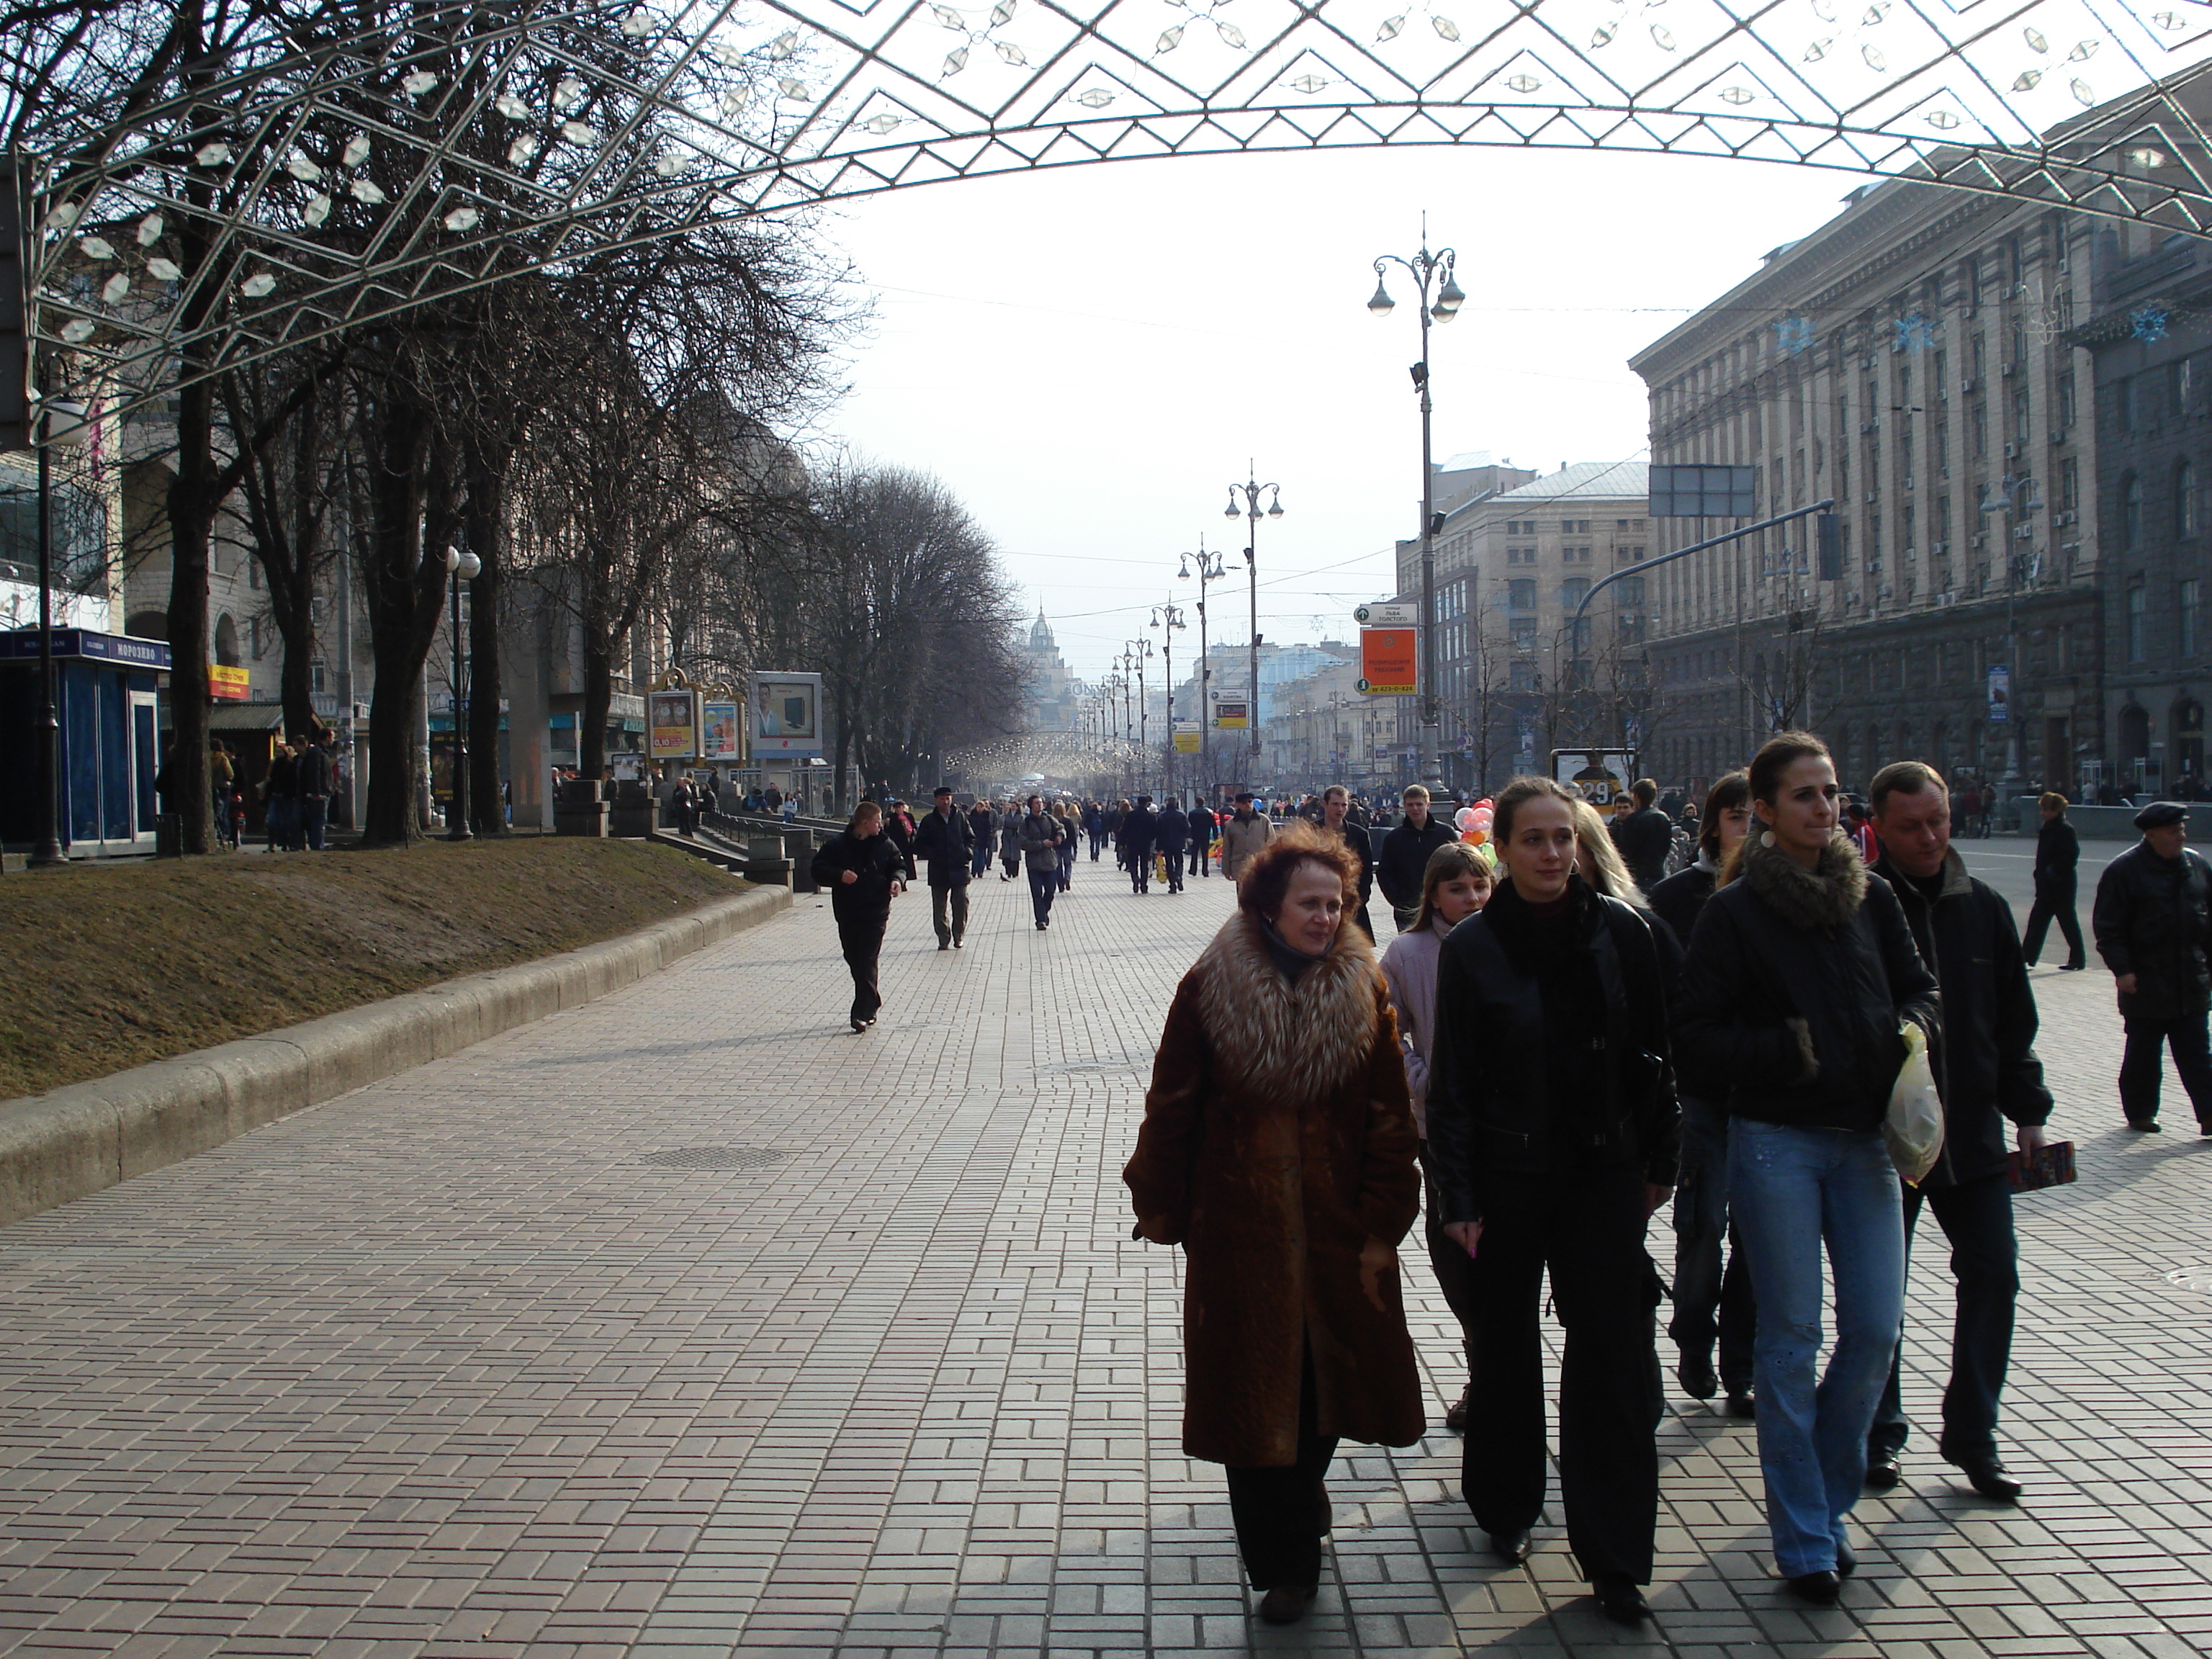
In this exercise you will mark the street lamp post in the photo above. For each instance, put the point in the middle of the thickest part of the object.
(460, 567)
(1139, 650)
(1425, 269)
(47, 427)
(1252, 490)
(1167, 618)
(1209, 570)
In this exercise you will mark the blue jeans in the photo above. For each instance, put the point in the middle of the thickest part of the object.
(1791, 1190)
(1043, 884)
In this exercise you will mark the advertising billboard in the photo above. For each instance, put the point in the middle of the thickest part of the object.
(1602, 775)
(1186, 737)
(1231, 714)
(1387, 659)
(720, 737)
(671, 722)
(787, 716)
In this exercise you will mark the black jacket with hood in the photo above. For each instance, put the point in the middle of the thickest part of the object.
(1796, 985)
(1521, 1084)
(1985, 1053)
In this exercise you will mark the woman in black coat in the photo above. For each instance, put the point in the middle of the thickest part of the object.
(1552, 1134)
(864, 872)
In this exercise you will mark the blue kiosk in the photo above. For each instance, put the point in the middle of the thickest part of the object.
(106, 750)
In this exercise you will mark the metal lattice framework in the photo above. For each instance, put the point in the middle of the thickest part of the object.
(324, 166)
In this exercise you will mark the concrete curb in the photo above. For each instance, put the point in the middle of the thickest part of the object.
(86, 1136)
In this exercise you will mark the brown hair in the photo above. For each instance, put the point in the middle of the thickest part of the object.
(1509, 799)
(1902, 778)
(867, 809)
(1645, 790)
(1776, 755)
(1731, 791)
(1266, 880)
(1449, 862)
(2051, 798)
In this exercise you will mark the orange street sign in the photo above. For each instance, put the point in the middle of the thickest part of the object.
(1388, 657)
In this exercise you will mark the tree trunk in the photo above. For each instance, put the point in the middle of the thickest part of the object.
(487, 540)
(591, 719)
(405, 593)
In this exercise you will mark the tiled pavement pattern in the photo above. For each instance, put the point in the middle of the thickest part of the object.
(450, 1367)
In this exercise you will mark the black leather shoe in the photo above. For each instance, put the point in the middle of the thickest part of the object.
(2072, 967)
(1694, 1371)
(1286, 1604)
(1883, 1472)
(1619, 1599)
(1740, 1404)
(2150, 1126)
(1988, 1477)
(1847, 1560)
(944, 945)
(859, 1025)
(1515, 1546)
(1455, 1418)
(1324, 1511)
(1822, 1589)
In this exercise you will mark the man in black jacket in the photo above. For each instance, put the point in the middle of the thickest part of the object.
(1201, 839)
(2150, 919)
(1404, 860)
(1169, 835)
(863, 873)
(948, 841)
(1644, 838)
(1133, 844)
(1986, 1071)
(2057, 855)
(1336, 820)
(312, 777)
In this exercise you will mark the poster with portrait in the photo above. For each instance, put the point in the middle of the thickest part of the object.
(787, 716)
(719, 739)
(1601, 775)
(672, 725)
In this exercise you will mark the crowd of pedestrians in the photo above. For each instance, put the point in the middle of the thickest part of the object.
(1578, 1024)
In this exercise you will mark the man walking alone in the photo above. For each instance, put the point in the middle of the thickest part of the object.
(1040, 837)
(2150, 922)
(948, 841)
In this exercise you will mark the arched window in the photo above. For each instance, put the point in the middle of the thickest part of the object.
(148, 625)
(226, 642)
(2184, 499)
(2130, 513)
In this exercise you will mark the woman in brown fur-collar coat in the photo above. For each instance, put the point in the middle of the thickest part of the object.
(1278, 1150)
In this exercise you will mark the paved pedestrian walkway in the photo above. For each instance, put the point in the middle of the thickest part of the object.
(690, 1323)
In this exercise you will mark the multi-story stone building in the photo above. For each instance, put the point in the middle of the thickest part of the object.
(1912, 360)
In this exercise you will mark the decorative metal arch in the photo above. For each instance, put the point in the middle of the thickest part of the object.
(322, 166)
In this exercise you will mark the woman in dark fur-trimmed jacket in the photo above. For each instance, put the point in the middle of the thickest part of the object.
(1553, 1134)
(1800, 978)
(1278, 1150)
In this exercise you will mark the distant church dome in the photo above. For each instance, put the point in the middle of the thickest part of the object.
(1041, 634)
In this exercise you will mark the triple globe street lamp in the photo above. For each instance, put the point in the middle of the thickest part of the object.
(1428, 271)
(1252, 490)
(1167, 618)
(1209, 570)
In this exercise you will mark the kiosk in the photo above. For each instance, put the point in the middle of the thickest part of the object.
(107, 750)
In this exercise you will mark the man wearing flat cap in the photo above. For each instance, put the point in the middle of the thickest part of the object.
(2153, 906)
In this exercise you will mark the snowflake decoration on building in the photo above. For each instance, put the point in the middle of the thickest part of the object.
(2151, 322)
(1913, 332)
(1793, 336)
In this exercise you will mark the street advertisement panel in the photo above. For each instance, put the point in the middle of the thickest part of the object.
(1186, 737)
(228, 684)
(671, 722)
(1601, 775)
(2000, 693)
(787, 716)
(1231, 713)
(1387, 659)
(719, 738)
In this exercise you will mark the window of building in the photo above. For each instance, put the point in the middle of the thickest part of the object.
(1520, 593)
(2184, 499)
(2137, 624)
(1977, 428)
(2178, 386)
(226, 642)
(1631, 590)
(2130, 513)
(1571, 590)
(2019, 411)
(2184, 617)
(2065, 398)
(2070, 485)
(1521, 676)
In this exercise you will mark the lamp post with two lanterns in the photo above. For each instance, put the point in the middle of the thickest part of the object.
(1252, 490)
(460, 567)
(1168, 618)
(1209, 570)
(1429, 270)
(1140, 648)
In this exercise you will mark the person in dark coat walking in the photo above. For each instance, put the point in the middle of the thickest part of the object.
(1094, 826)
(983, 834)
(1801, 977)
(1169, 836)
(1133, 844)
(1201, 839)
(1644, 838)
(2058, 859)
(864, 872)
(2150, 919)
(1552, 1136)
(1403, 864)
(1040, 837)
(946, 840)
(1710, 1301)
(1984, 1056)
(1336, 819)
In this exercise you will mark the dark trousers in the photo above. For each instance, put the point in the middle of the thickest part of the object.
(1098, 844)
(1454, 1269)
(1173, 857)
(1066, 878)
(953, 896)
(1198, 859)
(2141, 1064)
(1140, 869)
(2053, 903)
(1708, 1300)
(1588, 1228)
(1043, 884)
(982, 857)
(1976, 1217)
(1279, 1513)
(314, 813)
(861, 932)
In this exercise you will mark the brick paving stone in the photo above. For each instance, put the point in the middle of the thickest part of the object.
(444, 1368)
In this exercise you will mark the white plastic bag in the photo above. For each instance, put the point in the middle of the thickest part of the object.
(1913, 1129)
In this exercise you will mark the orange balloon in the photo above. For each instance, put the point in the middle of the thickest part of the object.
(1475, 837)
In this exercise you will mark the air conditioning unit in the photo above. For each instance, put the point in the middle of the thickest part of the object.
(1908, 484)
(2065, 518)
(1944, 598)
(1881, 593)
(1967, 383)
(2024, 533)
(1974, 541)
(1850, 599)
(1870, 426)
(1873, 494)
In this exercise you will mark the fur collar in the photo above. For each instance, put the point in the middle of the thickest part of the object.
(1822, 899)
(1285, 1042)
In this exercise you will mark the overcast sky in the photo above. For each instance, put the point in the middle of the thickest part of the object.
(1087, 357)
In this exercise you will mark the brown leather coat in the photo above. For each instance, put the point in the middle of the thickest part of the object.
(1278, 1150)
